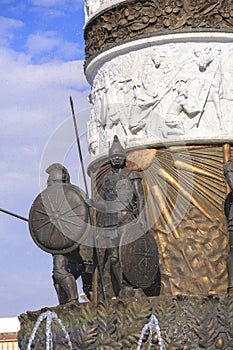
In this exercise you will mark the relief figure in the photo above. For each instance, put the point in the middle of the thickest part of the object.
(181, 103)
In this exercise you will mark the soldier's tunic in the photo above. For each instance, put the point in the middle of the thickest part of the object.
(118, 189)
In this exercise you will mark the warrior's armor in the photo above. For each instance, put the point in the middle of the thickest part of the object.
(118, 188)
(123, 197)
(67, 267)
(56, 231)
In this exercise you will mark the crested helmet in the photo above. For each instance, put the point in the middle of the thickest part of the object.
(57, 173)
(116, 148)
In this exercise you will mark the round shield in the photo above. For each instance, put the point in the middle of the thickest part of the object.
(139, 258)
(58, 218)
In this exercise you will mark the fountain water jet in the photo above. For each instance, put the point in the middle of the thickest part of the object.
(49, 316)
(153, 327)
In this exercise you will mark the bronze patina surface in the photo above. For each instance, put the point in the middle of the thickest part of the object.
(139, 258)
(184, 204)
(186, 322)
(58, 221)
(133, 260)
(58, 218)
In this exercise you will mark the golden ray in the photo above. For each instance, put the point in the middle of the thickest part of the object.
(177, 149)
(205, 193)
(180, 189)
(184, 166)
(164, 211)
(204, 188)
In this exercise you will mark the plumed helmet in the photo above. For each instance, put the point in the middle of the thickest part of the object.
(57, 173)
(116, 148)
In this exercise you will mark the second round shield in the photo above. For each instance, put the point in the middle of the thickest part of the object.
(139, 258)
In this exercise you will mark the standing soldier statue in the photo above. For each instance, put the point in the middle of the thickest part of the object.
(228, 172)
(123, 203)
(58, 221)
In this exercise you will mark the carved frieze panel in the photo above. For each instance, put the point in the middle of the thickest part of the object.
(136, 19)
(169, 92)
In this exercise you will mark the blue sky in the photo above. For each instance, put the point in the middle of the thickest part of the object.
(41, 64)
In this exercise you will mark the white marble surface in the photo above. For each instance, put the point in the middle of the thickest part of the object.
(168, 92)
(93, 7)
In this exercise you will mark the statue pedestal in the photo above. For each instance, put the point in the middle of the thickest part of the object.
(186, 322)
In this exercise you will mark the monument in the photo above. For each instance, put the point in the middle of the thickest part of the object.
(161, 80)
(161, 77)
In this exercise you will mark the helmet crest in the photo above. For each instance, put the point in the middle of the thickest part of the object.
(117, 148)
(57, 172)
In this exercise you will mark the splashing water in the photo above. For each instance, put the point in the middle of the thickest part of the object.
(153, 327)
(49, 316)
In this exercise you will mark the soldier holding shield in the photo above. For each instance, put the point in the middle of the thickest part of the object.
(57, 220)
(123, 202)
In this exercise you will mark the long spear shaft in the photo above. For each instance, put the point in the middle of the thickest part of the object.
(79, 146)
(96, 254)
(13, 214)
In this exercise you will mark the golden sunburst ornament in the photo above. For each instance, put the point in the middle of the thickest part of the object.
(185, 192)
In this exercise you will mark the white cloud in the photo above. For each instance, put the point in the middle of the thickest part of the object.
(36, 90)
(7, 28)
(41, 42)
(49, 44)
(34, 101)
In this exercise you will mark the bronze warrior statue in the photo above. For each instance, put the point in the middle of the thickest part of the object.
(228, 172)
(123, 202)
(58, 218)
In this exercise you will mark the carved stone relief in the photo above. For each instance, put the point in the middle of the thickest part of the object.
(163, 93)
(92, 7)
(137, 19)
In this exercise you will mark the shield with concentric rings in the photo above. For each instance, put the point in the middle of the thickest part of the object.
(139, 257)
(58, 218)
